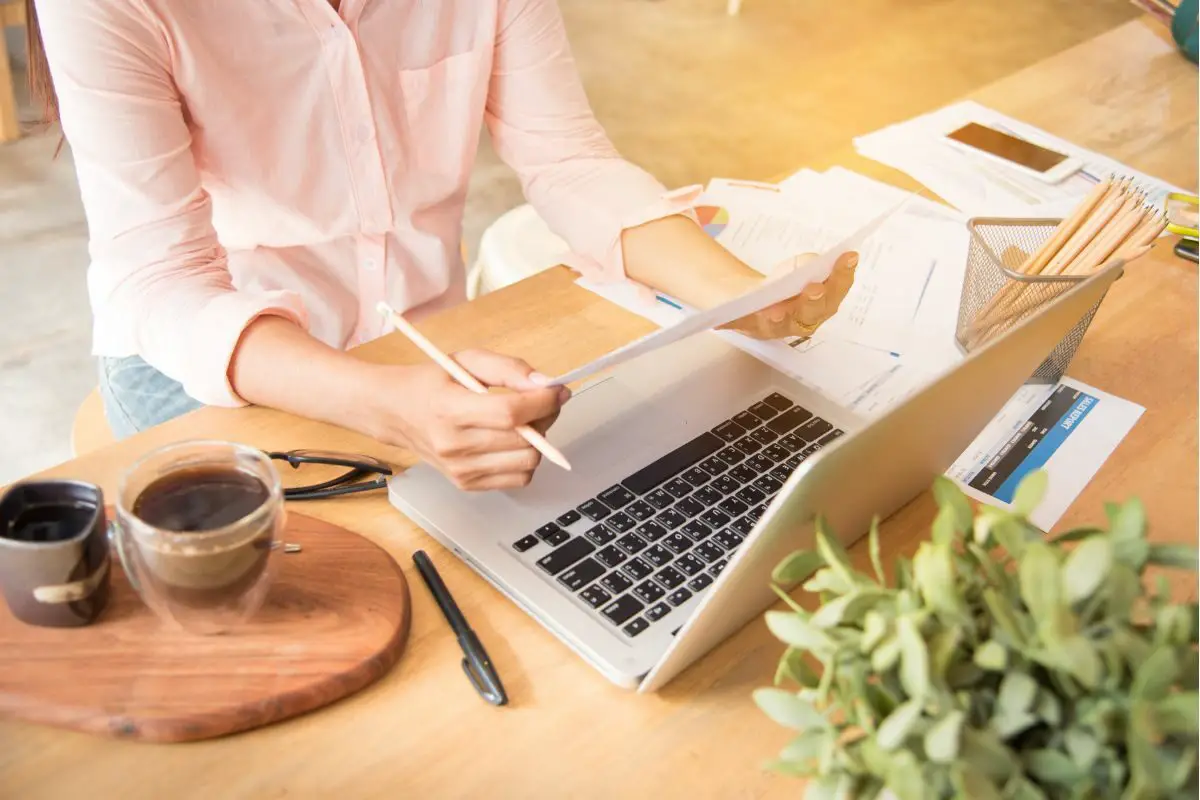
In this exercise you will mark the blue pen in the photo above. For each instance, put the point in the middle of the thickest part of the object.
(671, 303)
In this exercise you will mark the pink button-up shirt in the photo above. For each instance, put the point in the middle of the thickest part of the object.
(247, 157)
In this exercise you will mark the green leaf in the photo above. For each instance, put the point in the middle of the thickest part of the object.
(876, 554)
(933, 571)
(1011, 534)
(1041, 585)
(1077, 534)
(992, 656)
(834, 554)
(791, 602)
(886, 654)
(948, 495)
(914, 658)
(1082, 747)
(1177, 713)
(847, 609)
(942, 740)
(969, 782)
(789, 768)
(875, 627)
(828, 579)
(1077, 656)
(996, 576)
(1183, 770)
(1179, 556)
(1006, 725)
(903, 573)
(1004, 615)
(1086, 568)
(1051, 766)
(805, 747)
(1124, 587)
(904, 777)
(1020, 788)
(796, 567)
(794, 665)
(942, 650)
(984, 751)
(943, 532)
(823, 788)
(1048, 709)
(788, 709)
(1154, 678)
(1174, 625)
(898, 725)
(1030, 492)
(1128, 520)
(1017, 693)
(798, 632)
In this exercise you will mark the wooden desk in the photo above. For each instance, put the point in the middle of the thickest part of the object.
(422, 731)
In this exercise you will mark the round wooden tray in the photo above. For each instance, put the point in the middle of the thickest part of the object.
(335, 620)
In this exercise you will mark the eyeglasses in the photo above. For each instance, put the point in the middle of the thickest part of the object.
(323, 474)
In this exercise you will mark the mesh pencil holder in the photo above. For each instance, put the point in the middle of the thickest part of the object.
(996, 297)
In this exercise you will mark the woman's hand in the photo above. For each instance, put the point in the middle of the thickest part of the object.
(471, 438)
(804, 313)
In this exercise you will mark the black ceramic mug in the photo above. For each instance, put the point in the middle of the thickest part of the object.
(54, 558)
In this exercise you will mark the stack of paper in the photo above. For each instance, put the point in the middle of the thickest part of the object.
(980, 186)
(894, 330)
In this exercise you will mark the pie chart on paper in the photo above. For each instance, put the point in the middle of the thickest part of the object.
(713, 219)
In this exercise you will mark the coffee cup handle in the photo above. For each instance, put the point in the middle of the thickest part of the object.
(117, 542)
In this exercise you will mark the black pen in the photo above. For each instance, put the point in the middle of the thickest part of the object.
(476, 663)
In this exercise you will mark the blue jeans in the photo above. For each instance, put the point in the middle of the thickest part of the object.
(137, 396)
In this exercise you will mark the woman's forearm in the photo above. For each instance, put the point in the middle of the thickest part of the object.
(674, 255)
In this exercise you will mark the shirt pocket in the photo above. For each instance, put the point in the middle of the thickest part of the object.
(442, 113)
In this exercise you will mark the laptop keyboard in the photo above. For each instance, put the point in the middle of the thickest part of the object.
(663, 534)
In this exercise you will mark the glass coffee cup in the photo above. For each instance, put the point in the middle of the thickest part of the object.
(197, 529)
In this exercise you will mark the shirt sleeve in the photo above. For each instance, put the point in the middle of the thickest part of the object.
(542, 126)
(159, 278)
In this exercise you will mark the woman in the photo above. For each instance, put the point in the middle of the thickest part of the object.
(258, 176)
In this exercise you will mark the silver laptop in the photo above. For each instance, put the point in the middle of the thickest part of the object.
(696, 469)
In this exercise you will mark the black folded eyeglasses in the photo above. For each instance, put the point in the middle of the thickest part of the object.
(328, 474)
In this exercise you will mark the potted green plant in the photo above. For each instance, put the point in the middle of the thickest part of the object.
(993, 664)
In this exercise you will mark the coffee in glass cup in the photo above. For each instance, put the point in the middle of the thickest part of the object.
(197, 530)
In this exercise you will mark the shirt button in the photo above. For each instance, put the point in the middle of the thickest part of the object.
(369, 265)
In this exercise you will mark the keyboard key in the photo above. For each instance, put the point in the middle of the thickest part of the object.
(637, 569)
(748, 446)
(794, 461)
(610, 556)
(525, 542)
(600, 535)
(658, 555)
(733, 506)
(697, 530)
(689, 506)
(788, 420)
(700, 582)
(812, 448)
(671, 519)
(622, 609)
(814, 429)
(649, 591)
(669, 577)
(639, 511)
(747, 420)
(728, 539)
(710, 551)
(569, 518)
(708, 495)
(636, 627)
(620, 522)
(761, 463)
(750, 495)
(792, 443)
(595, 510)
(557, 538)
(673, 463)
(833, 434)
(756, 513)
(652, 531)
(729, 430)
(689, 564)
(631, 543)
(743, 473)
(658, 612)
(713, 465)
(679, 596)
(777, 453)
(616, 497)
(594, 596)
(717, 568)
(615, 582)
(763, 411)
(764, 436)
(659, 499)
(781, 473)
(546, 531)
(731, 456)
(715, 518)
(727, 484)
(582, 574)
(678, 543)
(561, 558)
(743, 526)
(768, 485)
(678, 488)
(777, 401)
(696, 476)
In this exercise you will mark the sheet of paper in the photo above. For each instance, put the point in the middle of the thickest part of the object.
(771, 292)
(1069, 430)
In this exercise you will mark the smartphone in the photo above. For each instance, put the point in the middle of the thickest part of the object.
(1186, 248)
(1042, 163)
